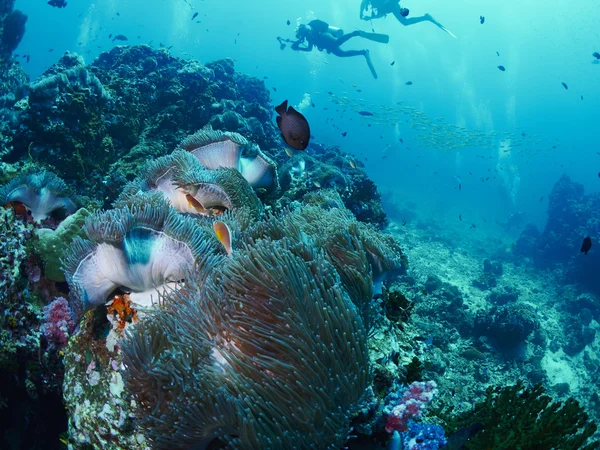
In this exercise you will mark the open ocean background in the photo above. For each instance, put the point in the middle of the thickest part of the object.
(456, 81)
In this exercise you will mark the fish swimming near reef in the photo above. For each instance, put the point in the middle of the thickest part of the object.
(195, 15)
(565, 85)
(409, 83)
(502, 68)
(120, 37)
(365, 113)
(596, 55)
(294, 127)
(586, 246)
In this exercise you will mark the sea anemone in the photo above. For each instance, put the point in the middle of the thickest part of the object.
(215, 149)
(144, 251)
(190, 188)
(43, 194)
(267, 352)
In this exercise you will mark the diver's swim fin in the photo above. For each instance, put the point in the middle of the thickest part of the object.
(443, 28)
(376, 37)
(370, 64)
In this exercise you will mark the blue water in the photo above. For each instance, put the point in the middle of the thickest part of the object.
(456, 80)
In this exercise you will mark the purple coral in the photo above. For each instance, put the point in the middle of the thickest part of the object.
(58, 322)
(409, 406)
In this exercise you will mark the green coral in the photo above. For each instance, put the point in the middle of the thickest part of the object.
(52, 244)
(515, 417)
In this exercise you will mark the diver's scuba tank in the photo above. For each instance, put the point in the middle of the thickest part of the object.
(335, 31)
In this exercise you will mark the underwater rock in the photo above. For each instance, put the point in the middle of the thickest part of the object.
(13, 252)
(507, 326)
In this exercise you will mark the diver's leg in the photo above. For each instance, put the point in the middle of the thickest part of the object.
(406, 21)
(346, 53)
(339, 41)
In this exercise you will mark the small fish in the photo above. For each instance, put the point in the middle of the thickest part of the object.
(565, 85)
(582, 97)
(481, 20)
(460, 217)
(19, 208)
(404, 223)
(274, 89)
(289, 152)
(352, 163)
(596, 55)
(409, 83)
(472, 226)
(586, 246)
(51, 50)
(223, 233)
(497, 53)
(502, 68)
(365, 113)
(401, 141)
(523, 133)
(424, 291)
(110, 35)
(393, 62)
(288, 22)
(294, 127)
(121, 37)
(313, 105)
(541, 198)
(317, 184)
(195, 15)
(459, 187)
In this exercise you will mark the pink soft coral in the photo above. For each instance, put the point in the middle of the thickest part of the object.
(58, 322)
(410, 406)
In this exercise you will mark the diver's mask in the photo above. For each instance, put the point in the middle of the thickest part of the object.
(302, 31)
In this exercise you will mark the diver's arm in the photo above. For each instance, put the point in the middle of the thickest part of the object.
(296, 46)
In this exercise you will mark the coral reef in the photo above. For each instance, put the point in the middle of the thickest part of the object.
(519, 417)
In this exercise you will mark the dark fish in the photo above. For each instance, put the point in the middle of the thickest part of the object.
(110, 35)
(274, 89)
(502, 68)
(51, 50)
(460, 217)
(408, 83)
(393, 62)
(541, 198)
(459, 187)
(195, 15)
(330, 93)
(365, 113)
(313, 105)
(565, 85)
(582, 97)
(523, 133)
(294, 127)
(481, 20)
(288, 22)
(404, 223)
(359, 90)
(344, 133)
(57, 3)
(472, 226)
(401, 140)
(596, 55)
(497, 54)
(586, 246)
(120, 37)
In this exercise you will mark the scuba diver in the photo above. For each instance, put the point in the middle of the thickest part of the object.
(377, 9)
(319, 34)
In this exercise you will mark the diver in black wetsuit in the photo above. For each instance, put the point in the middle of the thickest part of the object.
(377, 9)
(319, 34)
